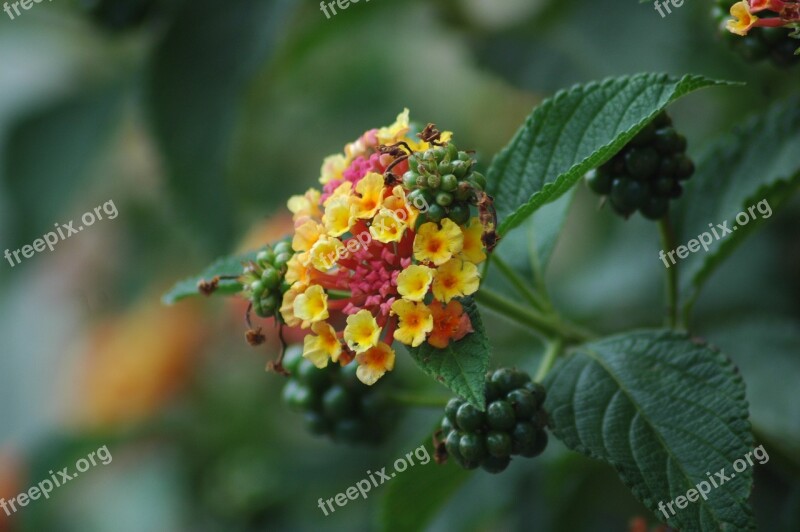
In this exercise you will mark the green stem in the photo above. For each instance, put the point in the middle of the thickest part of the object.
(418, 401)
(519, 283)
(549, 326)
(553, 351)
(668, 243)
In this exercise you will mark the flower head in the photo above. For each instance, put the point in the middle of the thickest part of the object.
(374, 363)
(416, 321)
(438, 244)
(363, 258)
(323, 347)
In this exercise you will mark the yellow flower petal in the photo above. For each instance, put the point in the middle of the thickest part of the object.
(374, 363)
(340, 215)
(416, 321)
(332, 168)
(361, 332)
(438, 245)
(395, 132)
(306, 235)
(323, 347)
(455, 278)
(326, 253)
(311, 306)
(473, 249)
(386, 227)
(413, 282)
(744, 19)
(371, 190)
(287, 306)
(305, 206)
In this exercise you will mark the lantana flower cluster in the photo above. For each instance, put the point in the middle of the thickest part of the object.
(745, 17)
(366, 270)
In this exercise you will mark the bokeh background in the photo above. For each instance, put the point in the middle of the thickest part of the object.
(199, 119)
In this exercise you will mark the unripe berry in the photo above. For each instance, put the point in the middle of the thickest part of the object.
(472, 447)
(500, 415)
(469, 418)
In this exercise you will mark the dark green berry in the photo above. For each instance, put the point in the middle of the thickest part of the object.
(641, 163)
(460, 169)
(257, 287)
(538, 392)
(645, 136)
(265, 256)
(282, 247)
(627, 195)
(337, 403)
(523, 403)
(685, 167)
(599, 181)
(350, 430)
(537, 447)
(469, 418)
(452, 444)
(472, 447)
(668, 167)
(271, 278)
(667, 141)
(459, 213)
(498, 443)
(495, 464)
(523, 436)
(479, 180)
(655, 208)
(292, 358)
(452, 408)
(447, 426)
(281, 260)
(313, 377)
(500, 415)
(316, 423)
(506, 379)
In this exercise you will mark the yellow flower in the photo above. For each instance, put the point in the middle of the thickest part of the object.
(374, 363)
(361, 332)
(311, 306)
(326, 253)
(340, 215)
(332, 168)
(744, 19)
(399, 205)
(455, 278)
(319, 349)
(287, 306)
(414, 281)
(305, 206)
(371, 190)
(416, 321)
(436, 245)
(297, 269)
(395, 132)
(387, 227)
(306, 235)
(473, 245)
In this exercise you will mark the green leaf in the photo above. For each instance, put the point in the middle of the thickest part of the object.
(663, 410)
(760, 161)
(415, 497)
(765, 350)
(226, 266)
(462, 365)
(574, 131)
(195, 103)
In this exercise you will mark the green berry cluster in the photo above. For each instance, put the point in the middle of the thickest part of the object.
(335, 403)
(513, 424)
(443, 182)
(774, 44)
(263, 279)
(647, 173)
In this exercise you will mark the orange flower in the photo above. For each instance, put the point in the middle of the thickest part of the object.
(449, 323)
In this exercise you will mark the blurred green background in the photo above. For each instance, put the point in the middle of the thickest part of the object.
(199, 119)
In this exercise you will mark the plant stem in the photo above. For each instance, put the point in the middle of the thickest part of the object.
(553, 351)
(519, 283)
(418, 401)
(550, 326)
(668, 243)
